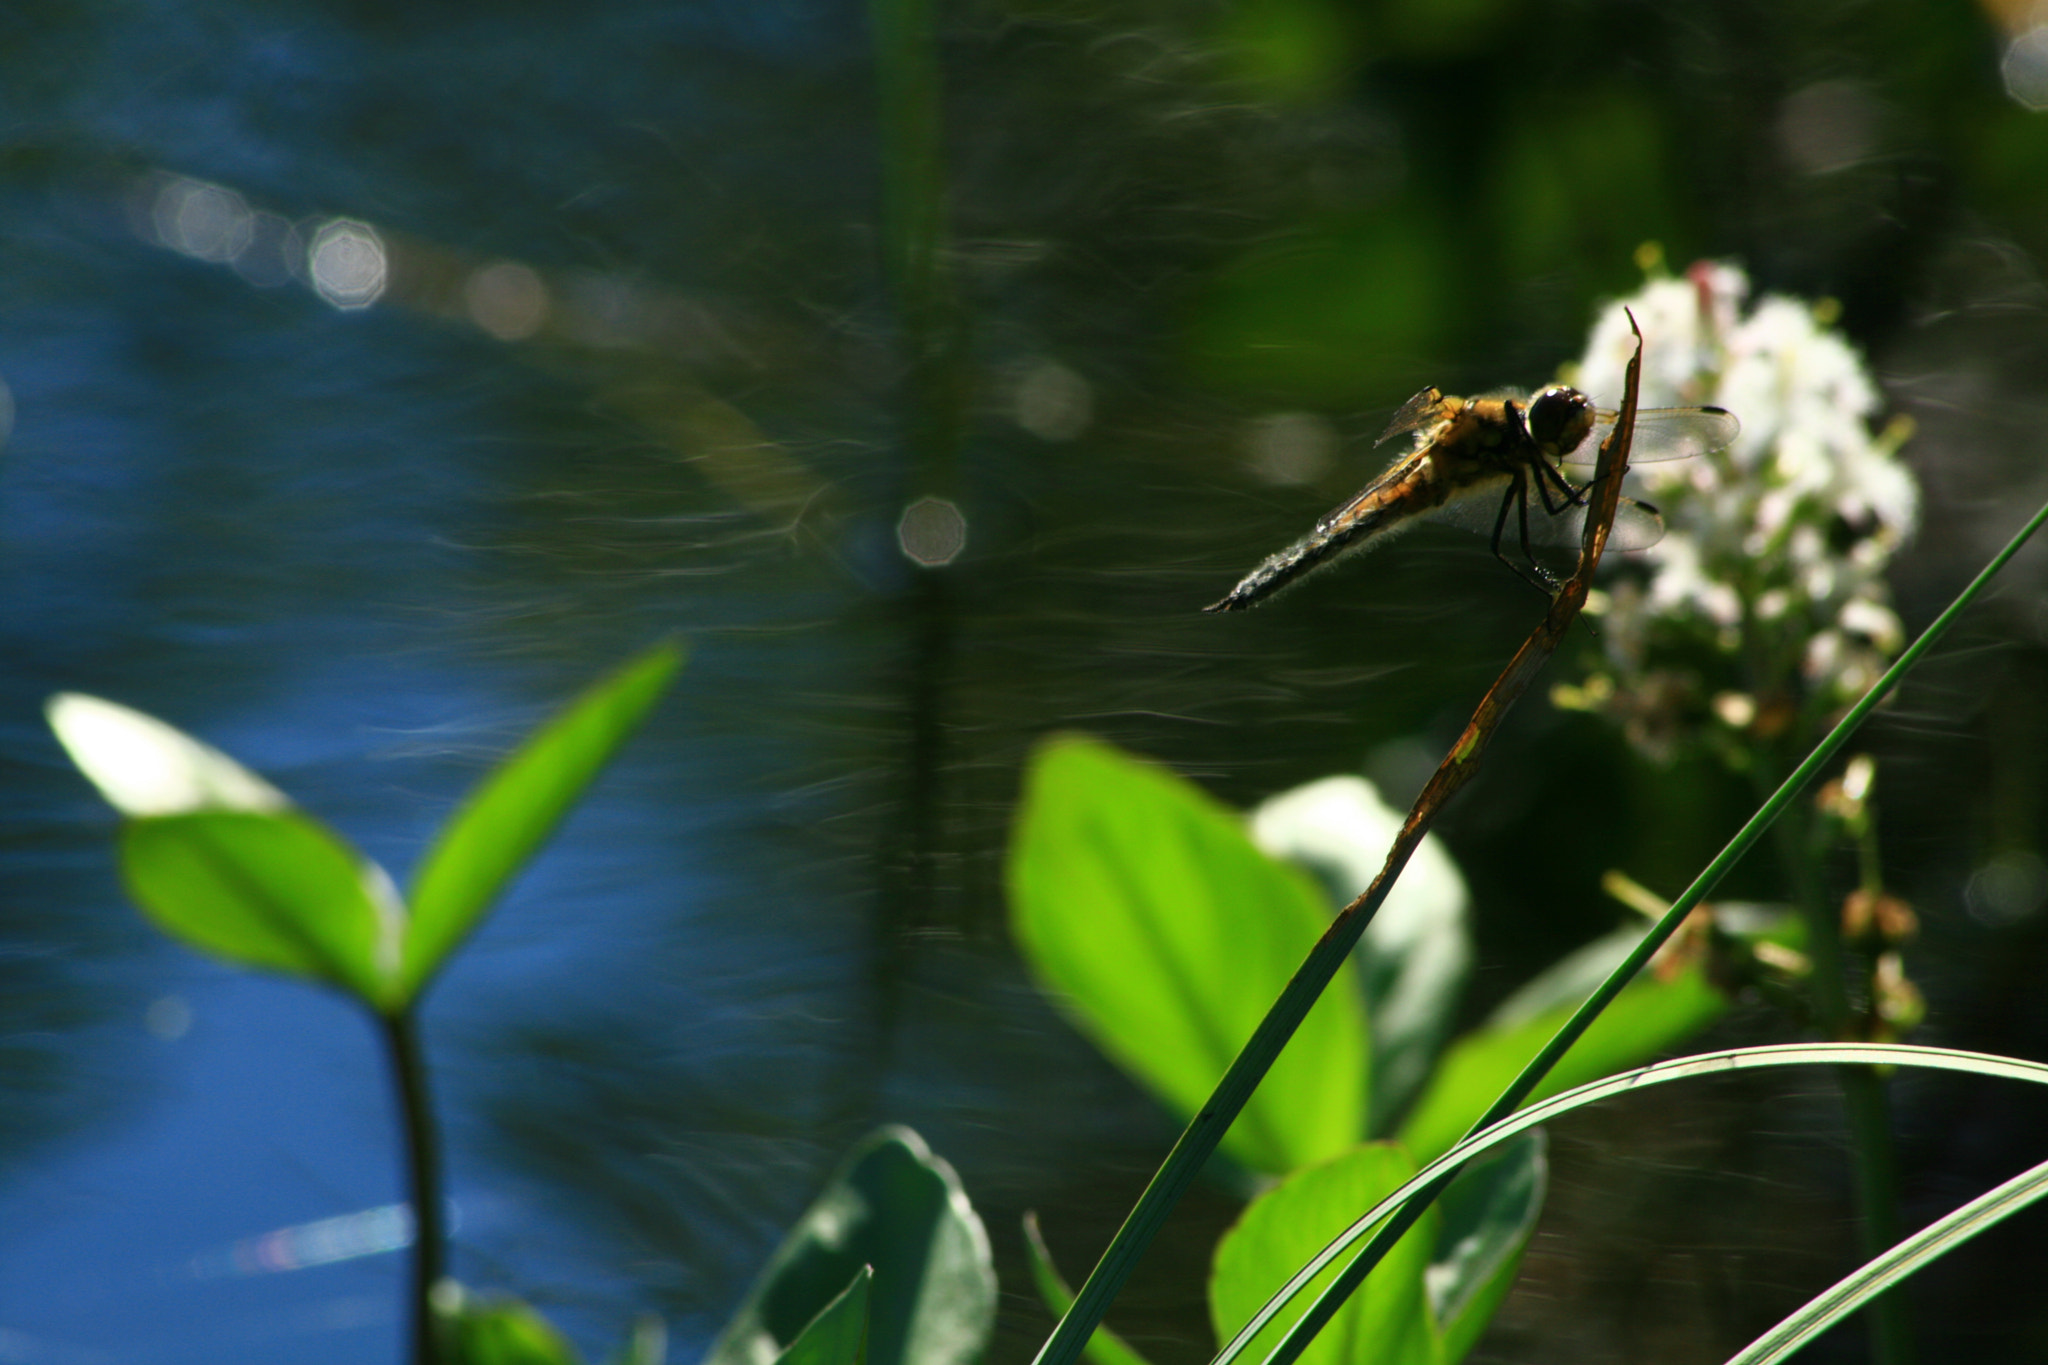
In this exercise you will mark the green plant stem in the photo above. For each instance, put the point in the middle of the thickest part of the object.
(1199, 1140)
(423, 1176)
(1353, 1274)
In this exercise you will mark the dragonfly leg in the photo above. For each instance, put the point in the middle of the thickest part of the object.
(1547, 478)
(1517, 497)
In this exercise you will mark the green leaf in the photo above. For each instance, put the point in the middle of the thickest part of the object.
(1649, 1016)
(896, 1207)
(839, 1334)
(1104, 1346)
(1488, 1213)
(1387, 1322)
(497, 1331)
(1143, 908)
(145, 767)
(274, 890)
(1415, 955)
(510, 814)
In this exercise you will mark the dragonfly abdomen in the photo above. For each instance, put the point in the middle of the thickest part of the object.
(1319, 546)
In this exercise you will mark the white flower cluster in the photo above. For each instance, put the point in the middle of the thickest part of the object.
(1775, 549)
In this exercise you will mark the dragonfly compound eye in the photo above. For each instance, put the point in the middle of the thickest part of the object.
(1560, 418)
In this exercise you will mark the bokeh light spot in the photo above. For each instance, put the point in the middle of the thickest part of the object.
(931, 532)
(2025, 68)
(347, 263)
(2007, 889)
(1291, 448)
(168, 1018)
(1053, 402)
(506, 299)
(202, 220)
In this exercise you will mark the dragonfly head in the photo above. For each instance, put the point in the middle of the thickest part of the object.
(1560, 418)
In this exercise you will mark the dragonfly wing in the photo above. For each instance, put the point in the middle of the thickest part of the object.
(1636, 525)
(1664, 434)
(1416, 413)
(1477, 510)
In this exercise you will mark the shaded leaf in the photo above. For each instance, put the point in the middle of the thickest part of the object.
(273, 890)
(1489, 1213)
(505, 819)
(896, 1207)
(839, 1334)
(1387, 1322)
(1143, 907)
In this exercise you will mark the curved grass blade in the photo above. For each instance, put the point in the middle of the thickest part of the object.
(505, 819)
(1541, 1066)
(1444, 1168)
(1390, 1323)
(1854, 1290)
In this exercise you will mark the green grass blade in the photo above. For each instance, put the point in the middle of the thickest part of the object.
(508, 816)
(1533, 1074)
(1104, 1346)
(1389, 1323)
(1872, 1278)
(1445, 1167)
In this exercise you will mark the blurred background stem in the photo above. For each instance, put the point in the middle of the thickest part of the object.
(1863, 1091)
(930, 405)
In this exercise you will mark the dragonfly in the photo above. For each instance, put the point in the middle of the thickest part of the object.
(1475, 462)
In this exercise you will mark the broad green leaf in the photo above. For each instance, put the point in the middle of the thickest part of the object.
(1104, 1346)
(274, 890)
(896, 1207)
(497, 1331)
(1387, 1322)
(1649, 1016)
(1488, 1215)
(1415, 955)
(145, 767)
(510, 814)
(1143, 908)
(839, 1334)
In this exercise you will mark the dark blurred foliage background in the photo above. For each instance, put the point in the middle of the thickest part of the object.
(381, 373)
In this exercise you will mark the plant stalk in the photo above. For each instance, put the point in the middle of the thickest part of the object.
(423, 1177)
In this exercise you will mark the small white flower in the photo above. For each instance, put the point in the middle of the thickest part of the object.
(1776, 546)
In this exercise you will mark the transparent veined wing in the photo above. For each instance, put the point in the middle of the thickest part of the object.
(1419, 411)
(1663, 434)
(1636, 525)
